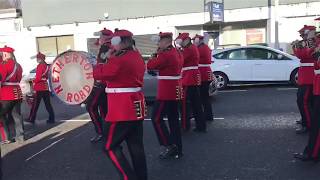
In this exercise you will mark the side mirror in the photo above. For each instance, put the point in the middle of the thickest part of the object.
(280, 56)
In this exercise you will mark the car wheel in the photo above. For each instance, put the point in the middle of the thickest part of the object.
(294, 77)
(222, 80)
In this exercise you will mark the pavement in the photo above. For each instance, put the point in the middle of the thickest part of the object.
(252, 137)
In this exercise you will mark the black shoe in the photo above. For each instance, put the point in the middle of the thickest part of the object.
(299, 122)
(169, 152)
(302, 157)
(97, 138)
(197, 130)
(301, 130)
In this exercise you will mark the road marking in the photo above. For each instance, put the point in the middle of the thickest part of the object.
(46, 148)
(76, 120)
(236, 90)
(148, 119)
(286, 89)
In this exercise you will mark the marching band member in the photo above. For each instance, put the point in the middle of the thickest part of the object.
(191, 81)
(168, 62)
(303, 50)
(40, 85)
(124, 74)
(206, 75)
(312, 150)
(96, 104)
(11, 95)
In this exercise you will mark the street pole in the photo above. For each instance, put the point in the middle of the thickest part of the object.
(269, 23)
(276, 28)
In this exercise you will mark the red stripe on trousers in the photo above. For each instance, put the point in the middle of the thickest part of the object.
(113, 157)
(95, 120)
(184, 109)
(305, 105)
(158, 125)
(316, 147)
(110, 135)
(2, 132)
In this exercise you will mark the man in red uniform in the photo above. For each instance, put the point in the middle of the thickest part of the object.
(124, 73)
(40, 85)
(311, 151)
(96, 104)
(11, 95)
(303, 50)
(168, 62)
(206, 75)
(191, 81)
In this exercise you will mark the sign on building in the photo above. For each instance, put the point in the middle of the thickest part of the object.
(216, 10)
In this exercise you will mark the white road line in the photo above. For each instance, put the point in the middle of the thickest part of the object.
(236, 90)
(148, 119)
(76, 120)
(46, 148)
(286, 89)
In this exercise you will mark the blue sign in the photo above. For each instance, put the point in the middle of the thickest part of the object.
(216, 11)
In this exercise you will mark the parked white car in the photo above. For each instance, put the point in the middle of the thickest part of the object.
(252, 64)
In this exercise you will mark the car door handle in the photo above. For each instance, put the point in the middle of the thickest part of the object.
(258, 64)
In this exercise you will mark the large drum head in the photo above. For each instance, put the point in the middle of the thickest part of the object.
(71, 76)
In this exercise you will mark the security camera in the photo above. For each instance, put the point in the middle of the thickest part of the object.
(106, 15)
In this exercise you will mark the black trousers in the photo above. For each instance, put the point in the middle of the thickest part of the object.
(132, 133)
(206, 100)
(96, 106)
(168, 109)
(192, 102)
(10, 115)
(313, 146)
(304, 101)
(45, 95)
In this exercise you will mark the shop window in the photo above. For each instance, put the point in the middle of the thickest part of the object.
(54, 45)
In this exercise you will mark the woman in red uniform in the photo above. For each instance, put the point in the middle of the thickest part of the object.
(40, 85)
(96, 104)
(191, 81)
(124, 74)
(11, 95)
(303, 50)
(312, 150)
(168, 62)
(206, 75)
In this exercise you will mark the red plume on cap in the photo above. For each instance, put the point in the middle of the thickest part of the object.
(197, 36)
(122, 33)
(106, 32)
(306, 27)
(41, 56)
(165, 34)
(183, 36)
(7, 49)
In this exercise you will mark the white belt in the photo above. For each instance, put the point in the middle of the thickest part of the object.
(306, 64)
(204, 65)
(122, 90)
(189, 68)
(169, 77)
(317, 71)
(44, 79)
(10, 84)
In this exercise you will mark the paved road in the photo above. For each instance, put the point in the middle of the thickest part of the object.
(252, 138)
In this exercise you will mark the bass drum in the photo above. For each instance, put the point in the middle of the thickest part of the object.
(71, 76)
